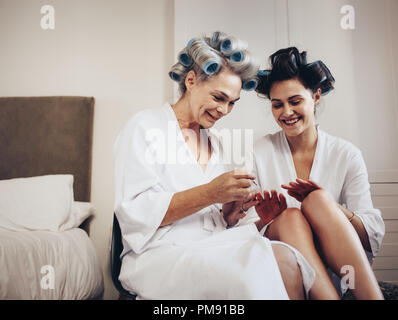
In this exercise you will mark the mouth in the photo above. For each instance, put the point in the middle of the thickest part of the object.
(291, 122)
(213, 118)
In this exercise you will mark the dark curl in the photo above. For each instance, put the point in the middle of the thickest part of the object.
(289, 64)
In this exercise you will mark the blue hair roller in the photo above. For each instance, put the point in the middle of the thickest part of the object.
(250, 84)
(294, 59)
(324, 78)
(211, 67)
(174, 76)
(263, 73)
(319, 65)
(190, 43)
(226, 46)
(237, 56)
(325, 92)
(312, 63)
(185, 59)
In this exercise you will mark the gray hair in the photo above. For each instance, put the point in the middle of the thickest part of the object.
(208, 56)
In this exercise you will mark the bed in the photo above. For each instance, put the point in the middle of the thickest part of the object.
(45, 209)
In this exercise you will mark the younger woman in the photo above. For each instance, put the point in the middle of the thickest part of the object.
(324, 179)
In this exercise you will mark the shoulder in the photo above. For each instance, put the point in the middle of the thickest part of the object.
(339, 146)
(139, 123)
(148, 117)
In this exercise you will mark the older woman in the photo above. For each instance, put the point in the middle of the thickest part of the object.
(175, 201)
(324, 179)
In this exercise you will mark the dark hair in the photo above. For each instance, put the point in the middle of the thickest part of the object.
(288, 64)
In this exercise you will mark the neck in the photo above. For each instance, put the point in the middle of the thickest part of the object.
(305, 142)
(185, 118)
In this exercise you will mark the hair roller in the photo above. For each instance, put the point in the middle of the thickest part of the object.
(190, 43)
(184, 58)
(205, 57)
(243, 62)
(319, 76)
(289, 64)
(237, 56)
(216, 39)
(177, 71)
(263, 73)
(231, 44)
(249, 84)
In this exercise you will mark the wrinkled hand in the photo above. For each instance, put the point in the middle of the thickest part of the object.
(231, 186)
(270, 206)
(235, 210)
(300, 189)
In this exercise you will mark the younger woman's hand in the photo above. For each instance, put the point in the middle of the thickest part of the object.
(236, 210)
(300, 189)
(269, 207)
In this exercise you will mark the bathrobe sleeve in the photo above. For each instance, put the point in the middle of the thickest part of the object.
(356, 195)
(141, 199)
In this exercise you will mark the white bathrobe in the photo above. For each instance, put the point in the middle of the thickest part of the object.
(338, 167)
(195, 257)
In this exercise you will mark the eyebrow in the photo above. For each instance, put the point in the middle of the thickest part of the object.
(226, 96)
(295, 96)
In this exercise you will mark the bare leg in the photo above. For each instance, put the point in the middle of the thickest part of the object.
(290, 271)
(340, 243)
(292, 228)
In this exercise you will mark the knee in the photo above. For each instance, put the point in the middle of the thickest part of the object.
(293, 219)
(316, 208)
(316, 198)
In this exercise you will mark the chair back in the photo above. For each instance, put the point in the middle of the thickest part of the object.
(116, 262)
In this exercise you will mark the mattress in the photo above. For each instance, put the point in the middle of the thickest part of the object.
(49, 265)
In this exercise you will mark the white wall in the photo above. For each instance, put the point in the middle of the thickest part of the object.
(116, 51)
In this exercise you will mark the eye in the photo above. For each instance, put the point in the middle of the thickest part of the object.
(277, 105)
(295, 102)
(217, 98)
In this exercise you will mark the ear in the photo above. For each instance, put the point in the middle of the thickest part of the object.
(317, 96)
(190, 80)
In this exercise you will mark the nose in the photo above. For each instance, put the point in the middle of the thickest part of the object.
(287, 110)
(223, 108)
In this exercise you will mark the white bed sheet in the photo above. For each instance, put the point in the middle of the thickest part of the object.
(49, 265)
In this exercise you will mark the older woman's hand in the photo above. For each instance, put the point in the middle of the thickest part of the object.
(236, 210)
(231, 186)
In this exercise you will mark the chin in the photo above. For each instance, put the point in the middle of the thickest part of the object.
(292, 132)
(206, 125)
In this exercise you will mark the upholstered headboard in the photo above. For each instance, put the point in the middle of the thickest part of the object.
(47, 135)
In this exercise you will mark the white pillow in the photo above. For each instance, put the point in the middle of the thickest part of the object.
(36, 203)
(80, 212)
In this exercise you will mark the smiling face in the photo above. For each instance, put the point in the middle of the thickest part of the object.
(212, 99)
(293, 106)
